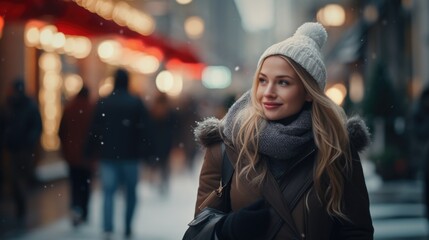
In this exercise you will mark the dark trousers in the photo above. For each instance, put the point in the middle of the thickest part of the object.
(80, 188)
(22, 166)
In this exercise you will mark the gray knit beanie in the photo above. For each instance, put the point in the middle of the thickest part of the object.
(304, 48)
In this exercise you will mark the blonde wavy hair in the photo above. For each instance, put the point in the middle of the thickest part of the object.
(330, 135)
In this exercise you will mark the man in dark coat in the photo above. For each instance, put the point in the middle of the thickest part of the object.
(119, 137)
(22, 134)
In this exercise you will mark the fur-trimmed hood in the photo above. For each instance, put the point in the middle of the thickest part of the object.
(207, 132)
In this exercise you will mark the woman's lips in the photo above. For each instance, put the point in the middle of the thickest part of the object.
(270, 106)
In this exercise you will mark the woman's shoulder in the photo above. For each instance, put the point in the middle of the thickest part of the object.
(207, 132)
(359, 135)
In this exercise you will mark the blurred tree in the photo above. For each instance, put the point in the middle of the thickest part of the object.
(384, 106)
(380, 97)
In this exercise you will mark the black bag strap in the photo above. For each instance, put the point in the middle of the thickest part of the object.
(275, 198)
(297, 180)
(284, 198)
(227, 168)
(227, 172)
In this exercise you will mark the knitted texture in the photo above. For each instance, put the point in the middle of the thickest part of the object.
(304, 48)
(277, 141)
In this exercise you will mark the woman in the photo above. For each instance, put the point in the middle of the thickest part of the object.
(285, 128)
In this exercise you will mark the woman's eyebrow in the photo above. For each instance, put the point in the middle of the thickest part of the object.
(284, 76)
(280, 76)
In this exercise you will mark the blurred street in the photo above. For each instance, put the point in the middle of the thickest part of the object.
(158, 217)
(186, 61)
(396, 207)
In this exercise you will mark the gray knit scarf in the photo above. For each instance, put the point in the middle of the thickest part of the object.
(277, 140)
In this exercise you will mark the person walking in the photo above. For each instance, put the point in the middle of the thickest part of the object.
(73, 132)
(187, 116)
(165, 125)
(23, 127)
(286, 136)
(3, 160)
(119, 137)
(420, 133)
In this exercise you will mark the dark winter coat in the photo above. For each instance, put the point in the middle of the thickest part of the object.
(120, 128)
(23, 124)
(312, 222)
(166, 129)
(74, 128)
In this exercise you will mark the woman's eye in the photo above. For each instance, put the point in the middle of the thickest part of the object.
(262, 80)
(283, 82)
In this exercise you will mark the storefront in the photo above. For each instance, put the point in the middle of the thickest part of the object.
(59, 46)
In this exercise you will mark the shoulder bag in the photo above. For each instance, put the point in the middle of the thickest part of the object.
(202, 227)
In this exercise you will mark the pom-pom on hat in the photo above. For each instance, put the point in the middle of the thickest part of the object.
(304, 48)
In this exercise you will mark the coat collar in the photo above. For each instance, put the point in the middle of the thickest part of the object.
(207, 132)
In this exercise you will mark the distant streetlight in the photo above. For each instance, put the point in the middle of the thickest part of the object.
(216, 77)
(370, 13)
(337, 93)
(164, 81)
(46, 37)
(59, 40)
(50, 40)
(50, 99)
(50, 62)
(356, 86)
(106, 87)
(72, 84)
(82, 47)
(109, 50)
(32, 36)
(183, 2)
(169, 83)
(122, 14)
(194, 27)
(146, 64)
(332, 15)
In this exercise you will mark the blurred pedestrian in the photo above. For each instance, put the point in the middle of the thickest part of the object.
(2, 162)
(420, 132)
(187, 116)
(165, 127)
(297, 169)
(73, 132)
(22, 135)
(119, 137)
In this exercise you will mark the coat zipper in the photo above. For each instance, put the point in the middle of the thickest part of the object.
(305, 218)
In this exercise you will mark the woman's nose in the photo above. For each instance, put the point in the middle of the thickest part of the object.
(269, 91)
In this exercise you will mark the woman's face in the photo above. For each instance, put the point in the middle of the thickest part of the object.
(279, 89)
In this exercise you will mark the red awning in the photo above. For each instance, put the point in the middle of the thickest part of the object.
(72, 19)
